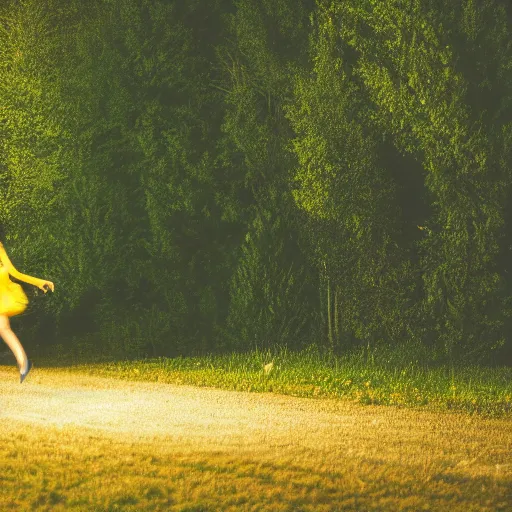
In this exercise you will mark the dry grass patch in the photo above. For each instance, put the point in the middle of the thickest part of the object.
(277, 454)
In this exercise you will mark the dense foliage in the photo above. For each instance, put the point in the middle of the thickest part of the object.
(217, 176)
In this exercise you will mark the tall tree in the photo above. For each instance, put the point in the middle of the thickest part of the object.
(270, 285)
(350, 200)
(36, 149)
(408, 60)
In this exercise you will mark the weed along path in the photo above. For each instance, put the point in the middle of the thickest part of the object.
(72, 441)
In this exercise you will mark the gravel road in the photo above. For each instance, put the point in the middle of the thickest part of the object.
(204, 417)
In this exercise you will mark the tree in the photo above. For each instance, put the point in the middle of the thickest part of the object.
(270, 286)
(35, 140)
(349, 199)
(410, 59)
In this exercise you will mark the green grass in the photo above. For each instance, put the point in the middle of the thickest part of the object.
(396, 377)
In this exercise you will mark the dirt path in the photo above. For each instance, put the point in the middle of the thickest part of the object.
(451, 448)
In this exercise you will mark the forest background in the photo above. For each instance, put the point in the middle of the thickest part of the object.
(206, 177)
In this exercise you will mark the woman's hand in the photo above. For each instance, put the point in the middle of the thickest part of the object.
(49, 284)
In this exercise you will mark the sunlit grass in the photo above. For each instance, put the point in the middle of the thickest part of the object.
(70, 470)
(378, 459)
(383, 377)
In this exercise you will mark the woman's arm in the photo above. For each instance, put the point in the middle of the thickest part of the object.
(6, 262)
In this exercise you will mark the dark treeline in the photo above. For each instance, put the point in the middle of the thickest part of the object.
(213, 176)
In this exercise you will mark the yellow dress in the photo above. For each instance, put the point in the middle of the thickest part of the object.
(13, 300)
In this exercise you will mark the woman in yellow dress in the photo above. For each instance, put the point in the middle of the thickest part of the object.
(13, 301)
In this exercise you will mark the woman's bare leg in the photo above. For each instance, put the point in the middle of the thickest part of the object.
(13, 342)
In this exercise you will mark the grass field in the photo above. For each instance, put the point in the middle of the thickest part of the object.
(385, 377)
(442, 443)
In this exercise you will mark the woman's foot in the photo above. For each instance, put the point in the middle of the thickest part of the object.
(23, 375)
